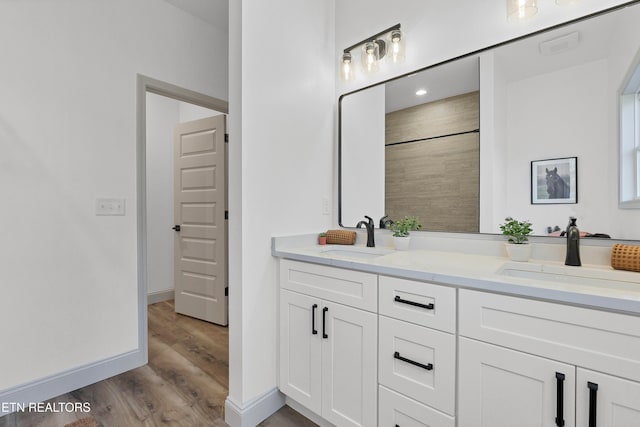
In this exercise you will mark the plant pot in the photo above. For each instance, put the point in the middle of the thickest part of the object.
(322, 240)
(519, 252)
(401, 243)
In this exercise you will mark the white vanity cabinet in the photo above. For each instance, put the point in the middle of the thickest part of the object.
(416, 354)
(530, 363)
(328, 349)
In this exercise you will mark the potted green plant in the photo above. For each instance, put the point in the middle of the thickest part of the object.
(322, 238)
(401, 229)
(517, 232)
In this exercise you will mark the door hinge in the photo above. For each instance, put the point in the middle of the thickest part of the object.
(226, 137)
(226, 214)
(226, 291)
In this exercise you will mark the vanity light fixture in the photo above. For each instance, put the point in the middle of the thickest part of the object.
(518, 10)
(397, 46)
(373, 50)
(346, 68)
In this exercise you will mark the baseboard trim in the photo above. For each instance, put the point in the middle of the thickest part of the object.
(73, 379)
(255, 411)
(307, 413)
(160, 296)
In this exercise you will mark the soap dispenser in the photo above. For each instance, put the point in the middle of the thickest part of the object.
(573, 244)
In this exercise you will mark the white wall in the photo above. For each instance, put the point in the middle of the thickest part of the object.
(363, 122)
(281, 165)
(493, 143)
(68, 136)
(162, 116)
(574, 124)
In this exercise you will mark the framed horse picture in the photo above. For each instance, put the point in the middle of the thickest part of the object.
(554, 181)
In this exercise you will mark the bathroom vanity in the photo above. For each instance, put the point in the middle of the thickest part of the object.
(376, 337)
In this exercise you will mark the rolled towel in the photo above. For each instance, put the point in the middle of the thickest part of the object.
(341, 237)
(625, 257)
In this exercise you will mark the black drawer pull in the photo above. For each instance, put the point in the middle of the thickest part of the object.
(324, 315)
(416, 304)
(593, 403)
(559, 399)
(428, 366)
(314, 331)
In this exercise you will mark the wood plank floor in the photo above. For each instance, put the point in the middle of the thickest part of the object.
(185, 383)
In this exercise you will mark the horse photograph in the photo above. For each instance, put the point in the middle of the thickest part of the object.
(554, 181)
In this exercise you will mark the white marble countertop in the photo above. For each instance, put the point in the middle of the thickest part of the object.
(590, 285)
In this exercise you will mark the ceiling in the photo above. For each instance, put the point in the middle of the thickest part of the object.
(215, 12)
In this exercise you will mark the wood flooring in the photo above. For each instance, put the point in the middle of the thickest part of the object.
(184, 384)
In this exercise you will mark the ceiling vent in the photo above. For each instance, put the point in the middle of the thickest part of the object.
(560, 44)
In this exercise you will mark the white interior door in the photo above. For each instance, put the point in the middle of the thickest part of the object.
(199, 214)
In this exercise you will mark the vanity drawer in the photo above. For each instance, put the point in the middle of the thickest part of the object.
(398, 298)
(348, 287)
(432, 382)
(395, 409)
(591, 338)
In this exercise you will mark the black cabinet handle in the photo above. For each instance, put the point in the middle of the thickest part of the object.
(593, 403)
(428, 366)
(313, 319)
(416, 304)
(324, 319)
(559, 399)
(176, 227)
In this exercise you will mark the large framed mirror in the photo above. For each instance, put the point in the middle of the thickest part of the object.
(461, 157)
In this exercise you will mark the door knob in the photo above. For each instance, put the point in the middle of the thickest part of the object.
(176, 227)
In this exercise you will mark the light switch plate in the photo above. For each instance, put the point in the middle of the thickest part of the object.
(110, 207)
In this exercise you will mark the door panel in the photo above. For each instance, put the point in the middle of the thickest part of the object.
(617, 401)
(300, 349)
(505, 388)
(199, 209)
(349, 366)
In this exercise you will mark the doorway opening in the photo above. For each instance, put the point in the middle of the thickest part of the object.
(160, 107)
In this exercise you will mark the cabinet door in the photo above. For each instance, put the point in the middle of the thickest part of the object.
(349, 365)
(616, 401)
(300, 349)
(499, 387)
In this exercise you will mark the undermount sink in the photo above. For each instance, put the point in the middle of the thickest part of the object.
(572, 275)
(355, 252)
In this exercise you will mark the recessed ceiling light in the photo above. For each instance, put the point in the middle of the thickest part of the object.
(421, 92)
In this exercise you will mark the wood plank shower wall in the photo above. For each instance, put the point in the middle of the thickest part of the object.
(437, 180)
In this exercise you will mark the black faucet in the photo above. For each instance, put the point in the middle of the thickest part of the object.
(573, 244)
(385, 222)
(369, 226)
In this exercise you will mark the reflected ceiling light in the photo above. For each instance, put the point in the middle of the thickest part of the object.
(421, 92)
(521, 9)
(373, 50)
